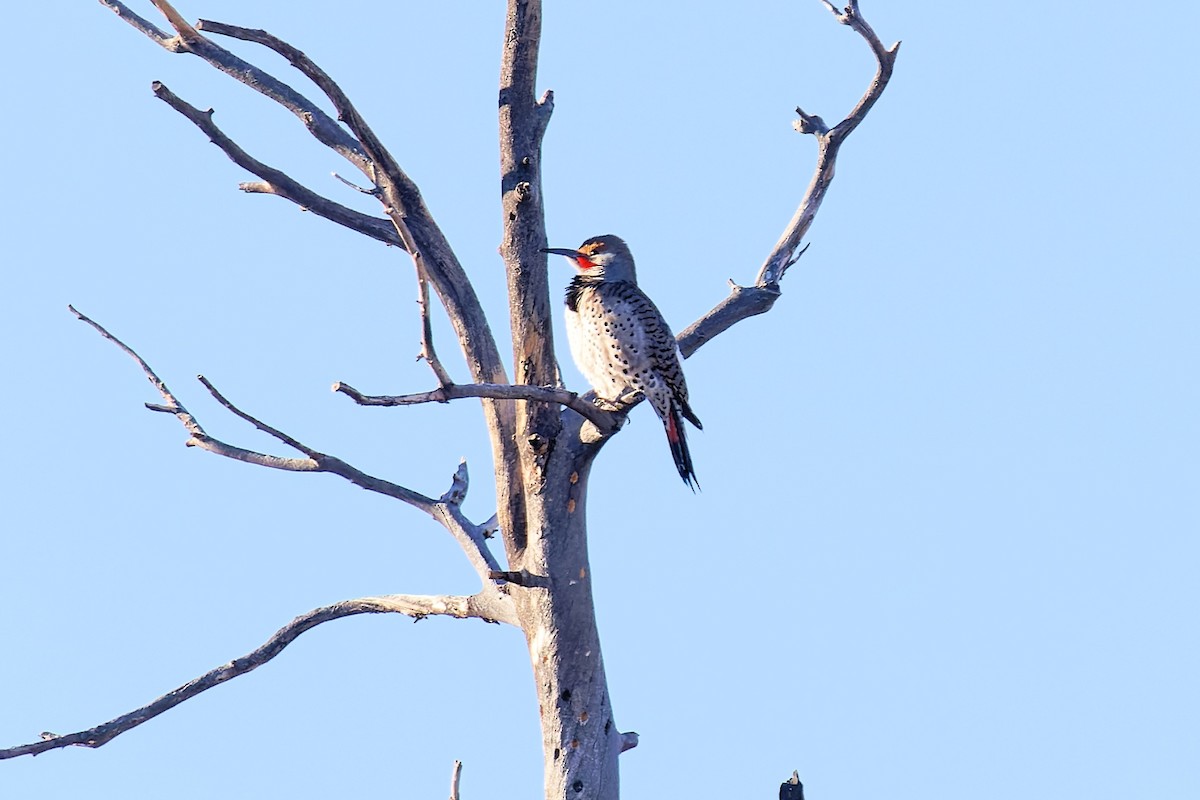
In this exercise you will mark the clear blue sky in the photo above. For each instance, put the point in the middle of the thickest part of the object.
(947, 542)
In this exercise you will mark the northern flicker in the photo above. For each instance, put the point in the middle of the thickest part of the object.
(622, 344)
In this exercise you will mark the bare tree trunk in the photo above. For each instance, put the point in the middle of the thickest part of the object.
(580, 739)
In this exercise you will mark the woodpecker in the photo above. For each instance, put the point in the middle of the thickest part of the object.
(622, 344)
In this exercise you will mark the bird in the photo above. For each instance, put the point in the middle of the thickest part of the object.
(621, 343)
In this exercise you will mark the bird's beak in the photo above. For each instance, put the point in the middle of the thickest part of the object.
(562, 251)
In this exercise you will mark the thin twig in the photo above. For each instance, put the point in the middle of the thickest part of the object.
(277, 182)
(173, 406)
(373, 191)
(455, 775)
(606, 421)
(427, 351)
(262, 426)
(492, 607)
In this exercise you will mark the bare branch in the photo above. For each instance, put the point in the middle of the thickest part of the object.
(447, 510)
(371, 145)
(829, 142)
(262, 426)
(277, 182)
(455, 775)
(173, 405)
(374, 227)
(471, 538)
(490, 607)
(742, 302)
(316, 461)
(143, 25)
(605, 421)
(747, 301)
(373, 191)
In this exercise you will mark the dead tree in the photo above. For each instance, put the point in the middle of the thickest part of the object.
(544, 438)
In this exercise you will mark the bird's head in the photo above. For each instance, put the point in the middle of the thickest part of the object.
(602, 258)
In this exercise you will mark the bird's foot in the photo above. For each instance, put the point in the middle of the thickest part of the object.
(632, 397)
(605, 404)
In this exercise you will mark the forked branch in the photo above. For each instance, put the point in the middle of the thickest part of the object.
(490, 607)
(315, 461)
(747, 301)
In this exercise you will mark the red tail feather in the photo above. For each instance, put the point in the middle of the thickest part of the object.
(679, 448)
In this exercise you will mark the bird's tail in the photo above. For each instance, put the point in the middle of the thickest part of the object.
(673, 422)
